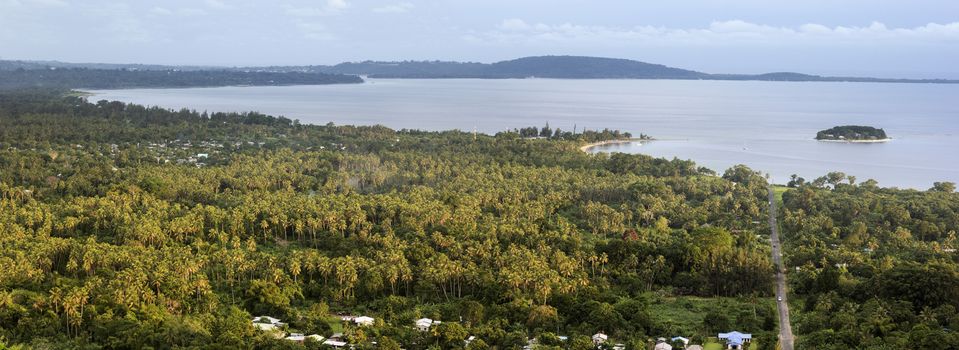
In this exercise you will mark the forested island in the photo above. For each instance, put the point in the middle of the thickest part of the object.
(132, 227)
(852, 133)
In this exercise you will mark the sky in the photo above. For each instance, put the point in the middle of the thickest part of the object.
(882, 38)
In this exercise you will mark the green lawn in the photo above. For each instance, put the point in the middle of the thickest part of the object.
(778, 193)
(713, 346)
(336, 324)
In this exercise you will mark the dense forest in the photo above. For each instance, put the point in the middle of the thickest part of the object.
(852, 133)
(871, 267)
(170, 78)
(124, 226)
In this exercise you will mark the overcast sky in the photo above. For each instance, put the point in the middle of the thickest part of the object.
(904, 38)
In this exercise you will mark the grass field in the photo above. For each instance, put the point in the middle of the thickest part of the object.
(684, 315)
(336, 324)
(778, 193)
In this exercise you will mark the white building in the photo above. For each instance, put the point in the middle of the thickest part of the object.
(600, 338)
(269, 324)
(424, 324)
(364, 321)
(336, 344)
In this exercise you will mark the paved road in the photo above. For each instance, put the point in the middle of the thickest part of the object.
(785, 329)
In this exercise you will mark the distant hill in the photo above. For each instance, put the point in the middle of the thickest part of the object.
(564, 67)
(575, 67)
(560, 67)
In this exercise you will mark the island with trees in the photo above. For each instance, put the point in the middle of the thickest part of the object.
(853, 133)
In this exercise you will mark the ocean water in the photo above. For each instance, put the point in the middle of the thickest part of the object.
(768, 126)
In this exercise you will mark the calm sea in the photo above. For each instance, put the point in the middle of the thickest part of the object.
(768, 126)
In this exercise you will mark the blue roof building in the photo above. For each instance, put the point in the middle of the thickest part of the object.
(735, 340)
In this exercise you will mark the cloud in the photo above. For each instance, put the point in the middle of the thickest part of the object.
(314, 31)
(402, 7)
(332, 7)
(187, 11)
(337, 4)
(217, 4)
(516, 30)
(33, 3)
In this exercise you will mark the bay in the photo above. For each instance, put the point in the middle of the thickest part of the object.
(768, 126)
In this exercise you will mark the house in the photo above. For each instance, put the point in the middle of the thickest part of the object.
(661, 344)
(694, 347)
(424, 324)
(735, 340)
(619, 346)
(364, 321)
(600, 338)
(683, 340)
(267, 323)
(336, 344)
(299, 337)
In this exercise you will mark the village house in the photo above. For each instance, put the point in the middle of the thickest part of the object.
(682, 340)
(267, 323)
(599, 338)
(424, 324)
(364, 321)
(661, 344)
(735, 340)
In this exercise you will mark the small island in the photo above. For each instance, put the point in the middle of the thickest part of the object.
(853, 133)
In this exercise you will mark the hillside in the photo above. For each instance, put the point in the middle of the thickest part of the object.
(561, 67)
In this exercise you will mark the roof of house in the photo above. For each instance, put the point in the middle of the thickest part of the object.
(266, 319)
(682, 339)
(735, 338)
(424, 322)
(265, 326)
(335, 343)
(694, 347)
(600, 337)
(663, 346)
(363, 319)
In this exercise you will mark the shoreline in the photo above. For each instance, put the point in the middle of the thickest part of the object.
(586, 147)
(858, 141)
